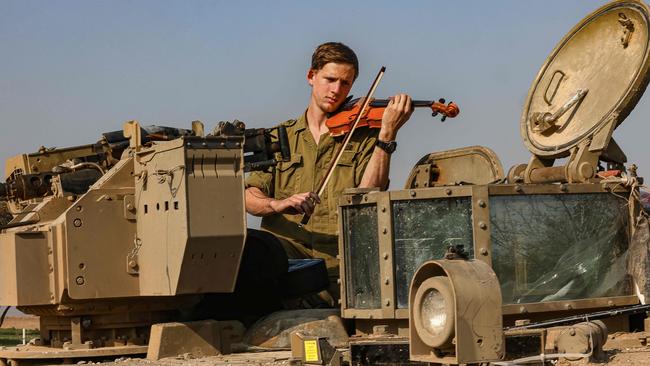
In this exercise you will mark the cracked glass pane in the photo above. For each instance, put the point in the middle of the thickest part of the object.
(560, 247)
(422, 230)
(362, 257)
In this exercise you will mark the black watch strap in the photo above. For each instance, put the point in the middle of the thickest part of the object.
(388, 146)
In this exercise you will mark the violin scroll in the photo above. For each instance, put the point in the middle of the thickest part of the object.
(450, 110)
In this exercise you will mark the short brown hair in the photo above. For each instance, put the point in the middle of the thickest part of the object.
(334, 52)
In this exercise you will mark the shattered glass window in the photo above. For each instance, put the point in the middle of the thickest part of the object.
(422, 230)
(362, 257)
(559, 247)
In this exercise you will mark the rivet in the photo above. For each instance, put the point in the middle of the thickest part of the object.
(72, 198)
(385, 255)
(130, 207)
(518, 188)
(384, 230)
(188, 144)
(481, 203)
(417, 184)
(383, 208)
(338, 301)
(572, 332)
(387, 281)
(482, 225)
(133, 264)
(417, 171)
(412, 193)
(78, 208)
(564, 187)
(76, 222)
(204, 143)
(568, 306)
(80, 280)
(222, 144)
(365, 199)
(447, 191)
(523, 310)
(338, 281)
(610, 303)
(237, 144)
(387, 302)
(484, 251)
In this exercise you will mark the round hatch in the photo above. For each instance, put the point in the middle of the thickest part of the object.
(595, 75)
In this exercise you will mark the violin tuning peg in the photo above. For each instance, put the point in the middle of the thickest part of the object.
(434, 114)
(441, 100)
(443, 118)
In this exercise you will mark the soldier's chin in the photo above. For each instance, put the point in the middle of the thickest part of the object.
(330, 107)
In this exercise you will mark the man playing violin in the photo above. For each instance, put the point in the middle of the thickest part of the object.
(283, 194)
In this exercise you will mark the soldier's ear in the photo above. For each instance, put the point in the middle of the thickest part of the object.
(311, 74)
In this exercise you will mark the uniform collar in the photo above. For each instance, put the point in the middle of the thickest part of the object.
(301, 123)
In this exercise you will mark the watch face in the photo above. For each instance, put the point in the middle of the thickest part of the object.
(388, 147)
(391, 146)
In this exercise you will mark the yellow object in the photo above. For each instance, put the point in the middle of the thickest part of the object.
(311, 350)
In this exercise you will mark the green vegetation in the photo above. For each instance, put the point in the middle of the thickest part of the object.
(13, 336)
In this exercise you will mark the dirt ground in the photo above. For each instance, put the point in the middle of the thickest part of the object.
(620, 349)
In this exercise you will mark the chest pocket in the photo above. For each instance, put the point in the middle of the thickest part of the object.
(288, 175)
(347, 168)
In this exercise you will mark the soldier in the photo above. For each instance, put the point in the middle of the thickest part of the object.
(283, 194)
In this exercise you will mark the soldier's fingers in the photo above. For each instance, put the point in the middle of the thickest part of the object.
(314, 197)
(296, 204)
(409, 104)
(306, 208)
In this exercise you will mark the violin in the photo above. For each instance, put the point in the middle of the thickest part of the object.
(340, 123)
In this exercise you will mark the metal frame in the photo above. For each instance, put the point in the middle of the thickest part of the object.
(479, 195)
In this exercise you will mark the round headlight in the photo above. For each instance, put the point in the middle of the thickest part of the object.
(434, 311)
(434, 316)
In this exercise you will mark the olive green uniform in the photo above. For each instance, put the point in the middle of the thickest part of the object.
(303, 173)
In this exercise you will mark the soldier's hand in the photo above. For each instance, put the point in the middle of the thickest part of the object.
(301, 203)
(397, 112)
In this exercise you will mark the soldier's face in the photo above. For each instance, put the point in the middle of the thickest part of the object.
(330, 85)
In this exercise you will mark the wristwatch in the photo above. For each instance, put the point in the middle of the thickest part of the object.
(388, 146)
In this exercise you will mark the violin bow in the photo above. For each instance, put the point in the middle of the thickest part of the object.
(334, 163)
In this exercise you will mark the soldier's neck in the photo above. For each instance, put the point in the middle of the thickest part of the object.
(316, 119)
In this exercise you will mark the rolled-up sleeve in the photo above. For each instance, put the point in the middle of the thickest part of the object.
(261, 180)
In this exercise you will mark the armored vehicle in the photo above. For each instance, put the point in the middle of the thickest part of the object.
(466, 264)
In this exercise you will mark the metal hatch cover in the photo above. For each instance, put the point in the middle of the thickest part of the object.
(591, 81)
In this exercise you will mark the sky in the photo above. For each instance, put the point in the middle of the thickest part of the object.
(70, 70)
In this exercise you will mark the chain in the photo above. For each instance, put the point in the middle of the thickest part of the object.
(168, 176)
(137, 244)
